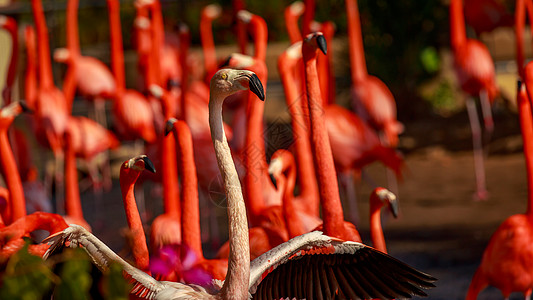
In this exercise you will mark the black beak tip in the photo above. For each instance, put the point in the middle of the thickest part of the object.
(25, 107)
(394, 209)
(169, 126)
(519, 84)
(148, 165)
(225, 63)
(257, 87)
(273, 179)
(322, 45)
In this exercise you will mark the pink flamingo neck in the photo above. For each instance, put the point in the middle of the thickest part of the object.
(208, 45)
(52, 223)
(355, 42)
(185, 41)
(327, 178)
(260, 36)
(154, 66)
(309, 15)
(117, 52)
(30, 82)
(45, 65)
(304, 154)
(526, 125)
(242, 37)
(190, 215)
(376, 232)
(170, 176)
(72, 192)
(73, 40)
(457, 24)
(128, 177)
(292, 13)
(11, 26)
(520, 21)
(327, 75)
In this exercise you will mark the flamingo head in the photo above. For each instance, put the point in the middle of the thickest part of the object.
(212, 11)
(230, 81)
(62, 55)
(317, 41)
(169, 126)
(386, 197)
(140, 163)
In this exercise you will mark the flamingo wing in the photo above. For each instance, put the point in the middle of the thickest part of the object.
(314, 265)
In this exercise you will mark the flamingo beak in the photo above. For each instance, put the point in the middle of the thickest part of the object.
(225, 63)
(169, 126)
(394, 207)
(322, 45)
(257, 87)
(273, 179)
(25, 107)
(148, 165)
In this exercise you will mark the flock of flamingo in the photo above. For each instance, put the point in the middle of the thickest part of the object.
(288, 237)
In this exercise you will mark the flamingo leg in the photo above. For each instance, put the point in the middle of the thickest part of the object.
(481, 190)
(486, 110)
(346, 180)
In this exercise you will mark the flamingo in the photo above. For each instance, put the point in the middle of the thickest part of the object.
(90, 76)
(11, 237)
(190, 214)
(51, 110)
(30, 76)
(131, 110)
(8, 166)
(266, 276)
(378, 198)
(508, 258)
(129, 172)
(520, 19)
(291, 14)
(334, 224)
(9, 24)
(371, 98)
(486, 15)
(475, 71)
(209, 13)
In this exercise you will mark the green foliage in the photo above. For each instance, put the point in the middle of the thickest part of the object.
(430, 59)
(26, 277)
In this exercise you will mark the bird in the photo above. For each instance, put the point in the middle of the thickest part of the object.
(486, 15)
(305, 254)
(371, 98)
(520, 20)
(129, 172)
(91, 77)
(508, 258)
(475, 71)
(332, 214)
(282, 171)
(379, 198)
(131, 110)
(51, 110)
(208, 14)
(10, 25)
(190, 212)
(291, 15)
(30, 75)
(11, 237)
(8, 166)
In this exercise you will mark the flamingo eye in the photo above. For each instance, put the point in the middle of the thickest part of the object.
(224, 76)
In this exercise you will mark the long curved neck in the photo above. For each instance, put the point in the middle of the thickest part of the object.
(254, 155)
(128, 177)
(73, 40)
(236, 283)
(11, 176)
(291, 24)
(294, 224)
(327, 178)
(304, 156)
(355, 42)
(72, 191)
(242, 37)
(309, 15)
(457, 24)
(190, 214)
(154, 57)
(11, 27)
(52, 223)
(260, 35)
(117, 52)
(45, 65)
(376, 232)
(208, 45)
(185, 41)
(30, 82)
(170, 176)
(328, 29)
(526, 125)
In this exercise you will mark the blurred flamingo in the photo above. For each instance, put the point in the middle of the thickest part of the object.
(10, 25)
(190, 213)
(475, 71)
(520, 22)
(30, 76)
(486, 15)
(508, 258)
(90, 76)
(379, 198)
(292, 14)
(209, 13)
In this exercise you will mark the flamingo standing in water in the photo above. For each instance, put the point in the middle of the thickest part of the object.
(304, 257)
(475, 71)
(508, 259)
(91, 77)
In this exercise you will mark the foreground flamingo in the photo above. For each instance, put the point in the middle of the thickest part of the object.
(508, 259)
(266, 277)
(475, 71)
